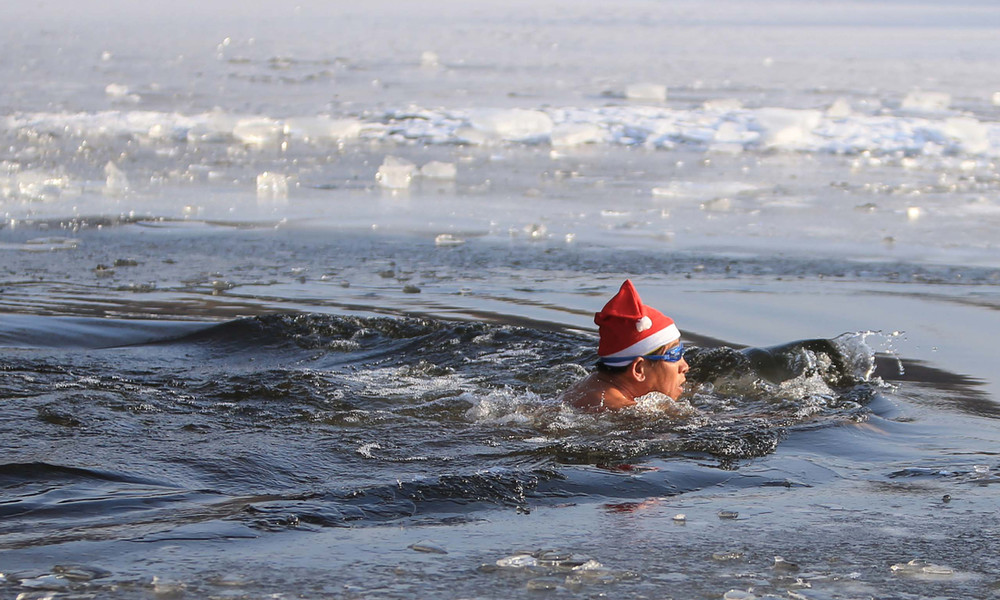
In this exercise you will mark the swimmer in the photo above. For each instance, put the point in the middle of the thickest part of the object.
(640, 352)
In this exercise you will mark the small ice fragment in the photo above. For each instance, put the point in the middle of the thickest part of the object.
(447, 239)
(116, 90)
(395, 173)
(439, 170)
(427, 546)
(938, 570)
(272, 185)
(429, 60)
(518, 561)
(995, 98)
(46, 582)
(646, 91)
(167, 589)
(780, 564)
(728, 514)
(767, 62)
(81, 572)
(920, 567)
(680, 517)
(717, 205)
(576, 134)
(926, 101)
(536, 231)
(106, 56)
(257, 132)
(914, 212)
(981, 470)
(840, 109)
(116, 182)
(543, 583)
(738, 595)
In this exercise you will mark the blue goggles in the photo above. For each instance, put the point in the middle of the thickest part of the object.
(673, 355)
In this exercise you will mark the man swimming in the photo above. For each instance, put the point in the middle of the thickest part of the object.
(640, 352)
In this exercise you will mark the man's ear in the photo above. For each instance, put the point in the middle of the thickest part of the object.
(638, 369)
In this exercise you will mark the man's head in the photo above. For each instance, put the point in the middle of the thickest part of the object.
(641, 344)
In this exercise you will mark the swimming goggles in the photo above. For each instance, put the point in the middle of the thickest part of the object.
(673, 355)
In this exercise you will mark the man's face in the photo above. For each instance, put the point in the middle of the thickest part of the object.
(667, 377)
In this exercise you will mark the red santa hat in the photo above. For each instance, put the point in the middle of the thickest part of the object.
(629, 329)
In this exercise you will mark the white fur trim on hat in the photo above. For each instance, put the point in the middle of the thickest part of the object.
(644, 346)
(643, 324)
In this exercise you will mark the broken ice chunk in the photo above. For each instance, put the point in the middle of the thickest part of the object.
(447, 239)
(576, 134)
(969, 132)
(116, 182)
(118, 91)
(272, 185)
(322, 128)
(841, 108)
(786, 127)
(258, 132)
(395, 173)
(429, 60)
(514, 125)
(652, 92)
(428, 546)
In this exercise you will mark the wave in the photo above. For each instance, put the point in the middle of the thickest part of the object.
(302, 420)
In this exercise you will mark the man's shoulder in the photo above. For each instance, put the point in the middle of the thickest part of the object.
(592, 394)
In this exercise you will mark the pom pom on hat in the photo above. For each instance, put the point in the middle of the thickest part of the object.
(628, 328)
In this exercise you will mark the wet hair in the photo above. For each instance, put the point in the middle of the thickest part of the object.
(605, 368)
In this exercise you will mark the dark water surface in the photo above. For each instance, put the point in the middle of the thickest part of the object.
(353, 437)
